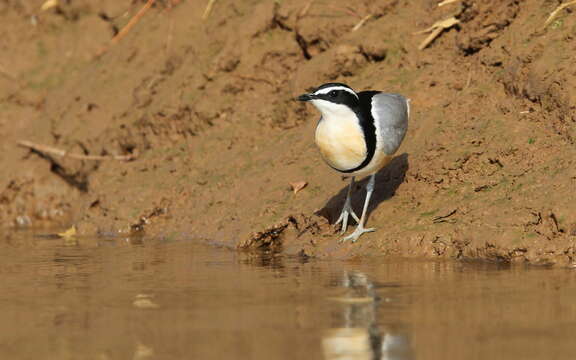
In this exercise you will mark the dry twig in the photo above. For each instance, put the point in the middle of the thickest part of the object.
(554, 13)
(128, 26)
(436, 30)
(359, 25)
(208, 9)
(63, 153)
(132, 21)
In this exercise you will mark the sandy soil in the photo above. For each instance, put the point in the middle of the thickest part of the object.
(206, 107)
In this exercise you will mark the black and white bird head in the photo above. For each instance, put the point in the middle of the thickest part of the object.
(332, 99)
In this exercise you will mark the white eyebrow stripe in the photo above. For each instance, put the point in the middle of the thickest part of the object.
(328, 89)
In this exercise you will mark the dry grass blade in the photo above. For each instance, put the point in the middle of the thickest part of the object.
(359, 25)
(208, 9)
(446, 2)
(442, 24)
(62, 153)
(424, 44)
(554, 13)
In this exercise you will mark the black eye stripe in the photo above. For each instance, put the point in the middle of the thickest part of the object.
(337, 95)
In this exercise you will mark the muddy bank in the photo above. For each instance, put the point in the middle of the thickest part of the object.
(205, 107)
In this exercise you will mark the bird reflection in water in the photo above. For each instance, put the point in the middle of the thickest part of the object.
(357, 335)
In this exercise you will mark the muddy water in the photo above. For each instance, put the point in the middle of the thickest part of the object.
(122, 299)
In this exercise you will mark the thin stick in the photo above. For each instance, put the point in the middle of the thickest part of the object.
(132, 21)
(446, 2)
(208, 9)
(359, 25)
(169, 38)
(430, 38)
(126, 28)
(469, 81)
(62, 153)
(436, 30)
(556, 11)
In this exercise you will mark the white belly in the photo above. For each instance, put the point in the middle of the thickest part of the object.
(379, 160)
(341, 142)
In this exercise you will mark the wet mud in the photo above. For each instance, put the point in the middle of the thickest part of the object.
(202, 104)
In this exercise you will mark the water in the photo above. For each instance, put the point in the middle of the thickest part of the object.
(119, 299)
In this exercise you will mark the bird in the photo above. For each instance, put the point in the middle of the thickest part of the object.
(358, 134)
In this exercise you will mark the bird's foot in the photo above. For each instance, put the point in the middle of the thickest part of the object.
(356, 234)
(344, 215)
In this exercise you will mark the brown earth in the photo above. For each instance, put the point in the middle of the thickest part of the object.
(206, 107)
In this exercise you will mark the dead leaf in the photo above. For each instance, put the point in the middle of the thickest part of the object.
(298, 185)
(70, 233)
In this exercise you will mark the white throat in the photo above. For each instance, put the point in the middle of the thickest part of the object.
(331, 111)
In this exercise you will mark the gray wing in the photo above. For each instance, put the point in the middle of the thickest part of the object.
(390, 112)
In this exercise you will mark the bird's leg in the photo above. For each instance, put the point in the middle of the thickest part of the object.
(347, 210)
(360, 228)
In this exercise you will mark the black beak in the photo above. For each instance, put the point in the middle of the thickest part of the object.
(305, 97)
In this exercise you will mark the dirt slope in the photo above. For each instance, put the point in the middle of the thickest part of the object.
(206, 107)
